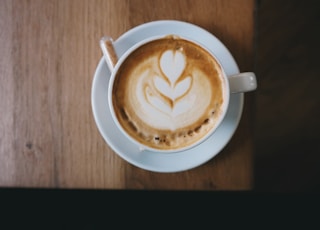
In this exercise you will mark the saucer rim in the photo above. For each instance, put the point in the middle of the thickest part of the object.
(115, 146)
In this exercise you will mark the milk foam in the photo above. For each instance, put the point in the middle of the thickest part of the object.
(162, 101)
(172, 64)
(168, 100)
(162, 113)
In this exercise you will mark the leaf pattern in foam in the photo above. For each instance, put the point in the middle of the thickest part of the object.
(182, 87)
(157, 103)
(172, 64)
(172, 92)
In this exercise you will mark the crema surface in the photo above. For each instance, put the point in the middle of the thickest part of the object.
(168, 93)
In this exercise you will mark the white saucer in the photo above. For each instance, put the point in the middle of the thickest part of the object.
(155, 161)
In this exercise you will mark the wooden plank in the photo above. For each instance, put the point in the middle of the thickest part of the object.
(48, 134)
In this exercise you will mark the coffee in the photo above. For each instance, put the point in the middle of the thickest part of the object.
(168, 93)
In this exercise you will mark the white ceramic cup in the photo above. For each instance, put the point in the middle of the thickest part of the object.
(238, 83)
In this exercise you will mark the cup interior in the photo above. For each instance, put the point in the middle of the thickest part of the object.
(118, 66)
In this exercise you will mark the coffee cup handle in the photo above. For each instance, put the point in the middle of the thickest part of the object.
(109, 53)
(242, 82)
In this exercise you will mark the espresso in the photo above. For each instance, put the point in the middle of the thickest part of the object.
(168, 93)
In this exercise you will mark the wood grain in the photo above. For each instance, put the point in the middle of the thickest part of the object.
(50, 49)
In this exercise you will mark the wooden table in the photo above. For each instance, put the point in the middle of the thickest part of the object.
(49, 53)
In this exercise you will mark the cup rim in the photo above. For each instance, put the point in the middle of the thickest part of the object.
(127, 53)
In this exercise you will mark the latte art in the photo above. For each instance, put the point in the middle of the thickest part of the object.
(172, 64)
(168, 93)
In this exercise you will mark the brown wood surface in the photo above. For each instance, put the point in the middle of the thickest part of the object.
(49, 52)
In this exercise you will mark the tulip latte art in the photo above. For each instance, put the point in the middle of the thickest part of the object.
(168, 93)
